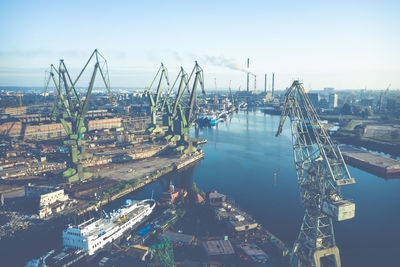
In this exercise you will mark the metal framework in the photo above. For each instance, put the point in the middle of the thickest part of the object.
(171, 111)
(186, 113)
(321, 171)
(71, 110)
(154, 100)
(163, 252)
(181, 113)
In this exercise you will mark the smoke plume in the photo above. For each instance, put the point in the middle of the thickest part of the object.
(225, 62)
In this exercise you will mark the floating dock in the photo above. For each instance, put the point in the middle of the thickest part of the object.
(376, 164)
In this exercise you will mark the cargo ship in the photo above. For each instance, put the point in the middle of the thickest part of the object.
(87, 238)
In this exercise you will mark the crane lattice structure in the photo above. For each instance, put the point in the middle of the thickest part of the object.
(172, 108)
(163, 253)
(155, 106)
(182, 112)
(321, 171)
(188, 111)
(381, 97)
(71, 110)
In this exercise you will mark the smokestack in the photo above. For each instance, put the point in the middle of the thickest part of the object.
(255, 82)
(273, 81)
(248, 66)
(265, 83)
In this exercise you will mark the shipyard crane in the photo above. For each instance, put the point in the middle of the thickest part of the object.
(52, 74)
(171, 111)
(72, 109)
(186, 114)
(321, 171)
(19, 97)
(163, 253)
(230, 94)
(154, 104)
(381, 97)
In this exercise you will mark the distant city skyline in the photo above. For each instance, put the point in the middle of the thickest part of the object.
(340, 44)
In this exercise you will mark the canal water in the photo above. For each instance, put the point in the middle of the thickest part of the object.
(243, 154)
(241, 157)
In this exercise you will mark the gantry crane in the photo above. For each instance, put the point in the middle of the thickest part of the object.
(72, 109)
(321, 171)
(154, 100)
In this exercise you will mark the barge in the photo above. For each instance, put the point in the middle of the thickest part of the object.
(376, 164)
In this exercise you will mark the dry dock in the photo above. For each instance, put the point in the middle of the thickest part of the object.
(376, 164)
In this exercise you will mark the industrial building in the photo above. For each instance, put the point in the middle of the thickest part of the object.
(333, 100)
(218, 248)
(179, 237)
(45, 195)
(47, 199)
(253, 252)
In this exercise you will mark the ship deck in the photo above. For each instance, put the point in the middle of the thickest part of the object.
(106, 225)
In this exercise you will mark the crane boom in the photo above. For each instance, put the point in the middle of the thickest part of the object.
(321, 171)
(154, 105)
(73, 108)
(381, 98)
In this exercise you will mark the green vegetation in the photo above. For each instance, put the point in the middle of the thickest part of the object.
(351, 125)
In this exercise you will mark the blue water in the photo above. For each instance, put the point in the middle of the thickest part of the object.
(241, 157)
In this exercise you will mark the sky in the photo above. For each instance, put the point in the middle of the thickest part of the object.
(340, 44)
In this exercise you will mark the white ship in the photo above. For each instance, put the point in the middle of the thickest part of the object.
(94, 234)
(90, 236)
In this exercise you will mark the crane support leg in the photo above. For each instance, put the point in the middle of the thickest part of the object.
(332, 252)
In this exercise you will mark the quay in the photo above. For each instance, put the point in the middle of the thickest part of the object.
(125, 187)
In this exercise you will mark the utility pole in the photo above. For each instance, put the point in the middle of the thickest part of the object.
(248, 74)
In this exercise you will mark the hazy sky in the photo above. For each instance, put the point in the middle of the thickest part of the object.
(341, 44)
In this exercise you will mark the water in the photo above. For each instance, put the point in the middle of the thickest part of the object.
(240, 160)
(241, 157)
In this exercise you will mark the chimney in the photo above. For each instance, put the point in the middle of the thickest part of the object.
(265, 83)
(248, 66)
(273, 83)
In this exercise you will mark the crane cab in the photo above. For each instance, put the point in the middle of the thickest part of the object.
(339, 209)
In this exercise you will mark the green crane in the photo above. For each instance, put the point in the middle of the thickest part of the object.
(186, 115)
(163, 253)
(171, 111)
(71, 110)
(154, 100)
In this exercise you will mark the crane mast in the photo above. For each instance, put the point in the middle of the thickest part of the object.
(171, 112)
(154, 100)
(186, 114)
(71, 110)
(321, 171)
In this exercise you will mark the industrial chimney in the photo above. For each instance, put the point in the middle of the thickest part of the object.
(265, 83)
(273, 81)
